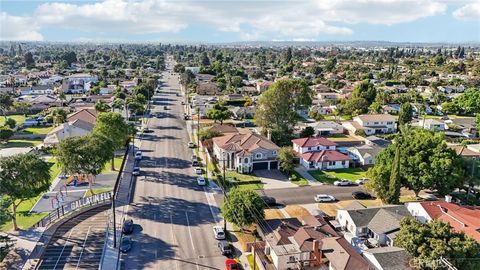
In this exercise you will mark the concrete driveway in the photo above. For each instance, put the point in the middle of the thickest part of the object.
(274, 179)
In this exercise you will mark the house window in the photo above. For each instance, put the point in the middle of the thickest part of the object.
(375, 123)
(389, 123)
(291, 259)
(309, 148)
(343, 162)
(331, 163)
(258, 155)
(274, 153)
(245, 160)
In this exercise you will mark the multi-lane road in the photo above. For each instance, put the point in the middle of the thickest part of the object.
(173, 216)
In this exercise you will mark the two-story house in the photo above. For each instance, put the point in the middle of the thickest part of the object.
(372, 124)
(319, 153)
(431, 124)
(378, 223)
(245, 152)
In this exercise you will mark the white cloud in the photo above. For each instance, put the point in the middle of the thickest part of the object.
(468, 12)
(18, 28)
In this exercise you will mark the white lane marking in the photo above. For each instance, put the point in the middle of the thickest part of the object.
(209, 196)
(173, 239)
(191, 239)
(83, 247)
(66, 242)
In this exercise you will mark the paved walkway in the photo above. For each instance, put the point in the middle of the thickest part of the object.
(274, 179)
(304, 173)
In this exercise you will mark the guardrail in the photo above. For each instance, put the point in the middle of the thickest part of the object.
(74, 206)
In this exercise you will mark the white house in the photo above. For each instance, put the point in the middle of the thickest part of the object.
(387, 258)
(66, 130)
(319, 153)
(364, 154)
(373, 124)
(311, 144)
(324, 128)
(431, 124)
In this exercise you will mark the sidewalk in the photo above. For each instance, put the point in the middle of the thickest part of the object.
(304, 173)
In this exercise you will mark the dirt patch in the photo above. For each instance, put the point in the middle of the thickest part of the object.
(296, 211)
(273, 214)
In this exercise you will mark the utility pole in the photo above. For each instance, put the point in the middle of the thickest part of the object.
(224, 192)
(198, 127)
(114, 222)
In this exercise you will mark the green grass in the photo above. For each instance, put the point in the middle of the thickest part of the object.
(250, 186)
(21, 143)
(230, 175)
(19, 118)
(250, 261)
(117, 162)
(297, 179)
(351, 174)
(38, 130)
(97, 191)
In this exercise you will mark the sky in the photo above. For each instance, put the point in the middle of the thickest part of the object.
(215, 21)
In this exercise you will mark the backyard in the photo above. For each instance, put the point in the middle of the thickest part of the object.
(331, 176)
(21, 143)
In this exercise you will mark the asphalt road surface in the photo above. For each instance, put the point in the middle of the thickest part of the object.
(304, 195)
(78, 243)
(173, 219)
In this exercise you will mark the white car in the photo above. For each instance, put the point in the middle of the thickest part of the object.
(201, 181)
(198, 170)
(219, 233)
(136, 171)
(324, 198)
(138, 155)
(342, 182)
(361, 181)
(191, 145)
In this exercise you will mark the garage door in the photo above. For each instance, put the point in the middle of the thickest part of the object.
(260, 166)
(274, 165)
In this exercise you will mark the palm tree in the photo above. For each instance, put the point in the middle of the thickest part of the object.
(59, 116)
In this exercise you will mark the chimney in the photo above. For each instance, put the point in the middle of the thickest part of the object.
(316, 254)
(448, 198)
(269, 135)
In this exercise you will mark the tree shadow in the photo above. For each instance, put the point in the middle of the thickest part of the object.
(165, 162)
(167, 127)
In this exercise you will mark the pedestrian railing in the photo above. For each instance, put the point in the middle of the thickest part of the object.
(74, 206)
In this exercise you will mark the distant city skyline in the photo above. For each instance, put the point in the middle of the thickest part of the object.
(216, 21)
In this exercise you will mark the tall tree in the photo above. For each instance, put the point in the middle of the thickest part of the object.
(219, 112)
(112, 126)
(59, 116)
(101, 106)
(29, 61)
(395, 179)
(286, 158)
(23, 176)
(406, 113)
(365, 90)
(6, 103)
(243, 207)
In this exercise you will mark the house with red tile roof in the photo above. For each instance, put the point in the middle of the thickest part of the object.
(86, 114)
(320, 153)
(245, 152)
(461, 218)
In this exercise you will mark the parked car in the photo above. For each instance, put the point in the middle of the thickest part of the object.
(361, 181)
(136, 171)
(224, 247)
(361, 195)
(219, 233)
(191, 145)
(270, 201)
(201, 181)
(343, 182)
(126, 244)
(138, 155)
(429, 197)
(147, 130)
(324, 198)
(198, 170)
(194, 163)
(165, 107)
(231, 264)
(183, 102)
(127, 226)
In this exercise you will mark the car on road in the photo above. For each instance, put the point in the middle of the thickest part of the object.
(198, 170)
(361, 195)
(138, 155)
(127, 227)
(361, 181)
(126, 244)
(324, 198)
(429, 197)
(165, 107)
(147, 130)
(158, 115)
(231, 264)
(343, 182)
(191, 145)
(224, 247)
(219, 233)
(201, 181)
(269, 201)
(183, 102)
(136, 171)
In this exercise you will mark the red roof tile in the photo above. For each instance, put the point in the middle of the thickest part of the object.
(313, 141)
(325, 155)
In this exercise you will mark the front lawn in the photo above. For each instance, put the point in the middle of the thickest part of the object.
(240, 177)
(19, 119)
(117, 162)
(21, 143)
(331, 176)
(297, 179)
(38, 130)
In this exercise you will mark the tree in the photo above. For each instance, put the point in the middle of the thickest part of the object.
(307, 132)
(406, 113)
(101, 106)
(11, 123)
(375, 107)
(69, 57)
(477, 121)
(365, 90)
(112, 126)
(286, 158)
(276, 108)
(29, 61)
(5, 133)
(179, 68)
(118, 104)
(22, 106)
(395, 180)
(23, 176)
(6, 103)
(219, 112)
(469, 101)
(59, 116)
(208, 133)
(243, 207)
(353, 106)
(427, 242)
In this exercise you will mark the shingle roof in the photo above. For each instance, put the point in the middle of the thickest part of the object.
(325, 155)
(313, 141)
(342, 255)
(247, 142)
(371, 217)
(377, 117)
(391, 258)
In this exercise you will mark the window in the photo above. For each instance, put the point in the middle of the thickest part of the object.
(343, 162)
(309, 148)
(274, 153)
(245, 160)
(389, 123)
(258, 155)
(375, 123)
(291, 259)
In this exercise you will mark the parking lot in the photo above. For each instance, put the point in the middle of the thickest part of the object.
(78, 243)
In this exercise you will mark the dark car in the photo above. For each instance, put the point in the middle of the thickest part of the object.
(147, 130)
(224, 247)
(127, 226)
(361, 195)
(126, 244)
(270, 201)
(165, 107)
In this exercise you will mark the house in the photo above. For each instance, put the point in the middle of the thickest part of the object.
(387, 258)
(325, 128)
(431, 124)
(79, 83)
(207, 88)
(311, 243)
(448, 89)
(262, 86)
(374, 140)
(36, 90)
(461, 218)
(372, 124)
(391, 108)
(319, 153)
(379, 223)
(364, 155)
(467, 152)
(242, 112)
(328, 96)
(73, 128)
(467, 126)
(245, 152)
(88, 115)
